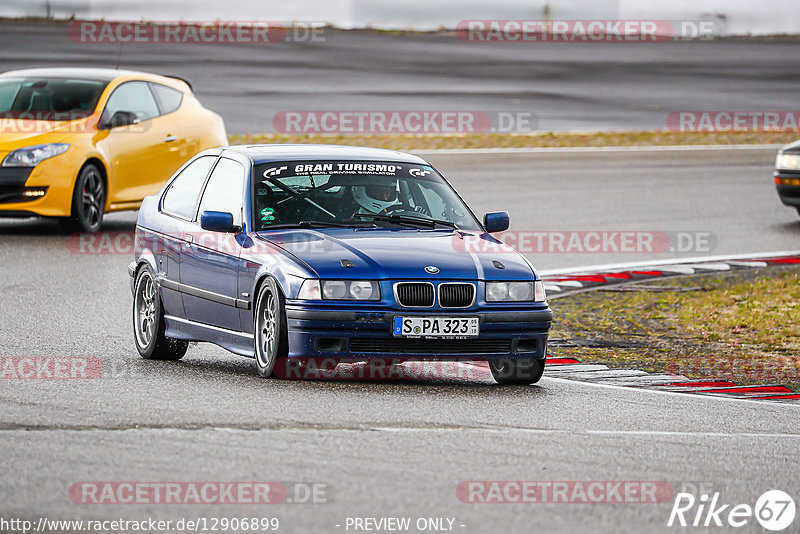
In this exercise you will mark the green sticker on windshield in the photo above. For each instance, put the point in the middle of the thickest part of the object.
(268, 215)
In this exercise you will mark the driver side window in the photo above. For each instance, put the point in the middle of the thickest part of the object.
(224, 191)
(181, 196)
(131, 96)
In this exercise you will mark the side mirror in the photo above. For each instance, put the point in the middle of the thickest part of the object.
(120, 118)
(496, 221)
(217, 221)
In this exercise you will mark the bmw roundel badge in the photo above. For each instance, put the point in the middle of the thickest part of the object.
(431, 269)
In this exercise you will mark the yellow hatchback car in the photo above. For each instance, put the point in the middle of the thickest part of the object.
(78, 143)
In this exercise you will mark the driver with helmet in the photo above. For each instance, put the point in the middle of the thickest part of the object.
(376, 198)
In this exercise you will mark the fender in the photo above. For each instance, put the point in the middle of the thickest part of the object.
(266, 260)
(147, 258)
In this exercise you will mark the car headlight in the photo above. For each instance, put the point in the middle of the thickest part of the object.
(515, 292)
(788, 162)
(31, 156)
(339, 290)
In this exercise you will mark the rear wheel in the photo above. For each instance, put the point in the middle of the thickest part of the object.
(520, 371)
(88, 201)
(148, 322)
(270, 339)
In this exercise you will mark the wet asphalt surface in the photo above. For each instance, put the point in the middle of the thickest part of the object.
(390, 448)
(401, 448)
(562, 85)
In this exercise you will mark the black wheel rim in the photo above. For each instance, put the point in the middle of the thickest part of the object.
(93, 198)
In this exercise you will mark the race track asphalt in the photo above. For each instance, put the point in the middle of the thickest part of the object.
(391, 448)
(564, 85)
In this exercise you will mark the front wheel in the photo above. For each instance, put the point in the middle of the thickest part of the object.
(519, 371)
(148, 322)
(88, 201)
(270, 340)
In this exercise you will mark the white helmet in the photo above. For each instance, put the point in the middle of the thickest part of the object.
(377, 197)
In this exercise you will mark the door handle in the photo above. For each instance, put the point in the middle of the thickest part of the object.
(170, 138)
(189, 240)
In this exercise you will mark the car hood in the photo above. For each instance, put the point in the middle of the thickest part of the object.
(792, 148)
(402, 254)
(18, 133)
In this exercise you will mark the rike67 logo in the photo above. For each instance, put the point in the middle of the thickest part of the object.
(774, 510)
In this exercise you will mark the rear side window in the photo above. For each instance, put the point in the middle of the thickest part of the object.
(181, 196)
(132, 96)
(225, 189)
(169, 98)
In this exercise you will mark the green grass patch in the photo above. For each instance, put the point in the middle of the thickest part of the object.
(743, 326)
(535, 140)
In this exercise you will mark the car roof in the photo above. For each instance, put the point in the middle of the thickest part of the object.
(103, 75)
(265, 153)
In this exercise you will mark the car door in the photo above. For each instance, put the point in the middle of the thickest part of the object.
(142, 155)
(179, 204)
(209, 263)
(185, 127)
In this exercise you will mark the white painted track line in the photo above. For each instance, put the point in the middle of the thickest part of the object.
(711, 266)
(667, 264)
(728, 398)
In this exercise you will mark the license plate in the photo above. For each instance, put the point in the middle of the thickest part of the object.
(453, 327)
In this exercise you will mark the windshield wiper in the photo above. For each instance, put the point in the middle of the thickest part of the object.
(334, 224)
(316, 224)
(430, 223)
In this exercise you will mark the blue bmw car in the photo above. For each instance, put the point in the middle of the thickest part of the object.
(277, 252)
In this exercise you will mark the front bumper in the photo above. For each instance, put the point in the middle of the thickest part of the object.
(44, 190)
(364, 332)
(787, 184)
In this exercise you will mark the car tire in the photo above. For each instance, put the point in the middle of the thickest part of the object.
(269, 322)
(148, 322)
(88, 201)
(519, 371)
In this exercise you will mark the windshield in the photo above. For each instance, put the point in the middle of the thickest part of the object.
(356, 193)
(48, 99)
